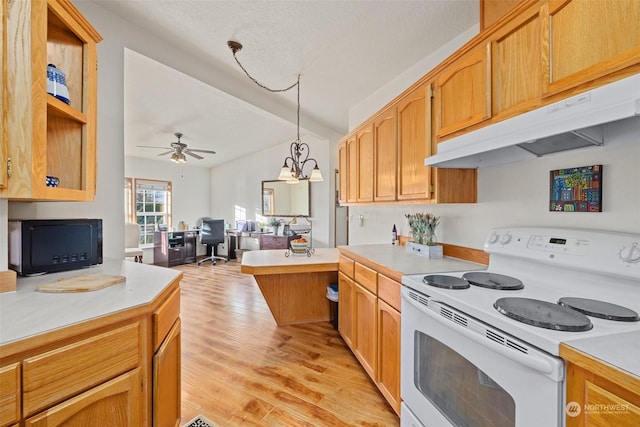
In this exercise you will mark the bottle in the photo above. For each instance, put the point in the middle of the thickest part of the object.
(394, 235)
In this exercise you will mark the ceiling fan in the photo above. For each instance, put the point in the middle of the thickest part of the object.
(179, 149)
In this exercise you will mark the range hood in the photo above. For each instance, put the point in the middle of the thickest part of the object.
(581, 121)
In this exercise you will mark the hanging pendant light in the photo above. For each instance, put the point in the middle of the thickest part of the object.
(294, 164)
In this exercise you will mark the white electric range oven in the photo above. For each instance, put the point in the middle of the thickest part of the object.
(481, 348)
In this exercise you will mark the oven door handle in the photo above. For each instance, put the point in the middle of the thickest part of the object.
(530, 360)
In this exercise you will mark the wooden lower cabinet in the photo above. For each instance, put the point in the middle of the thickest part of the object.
(369, 323)
(600, 394)
(345, 312)
(388, 378)
(120, 370)
(117, 403)
(10, 392)
(365, 340)
(166, 380)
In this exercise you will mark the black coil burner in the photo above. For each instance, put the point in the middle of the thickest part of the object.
(600, 309)
(543, 314)
(445, 282)
(493, 281)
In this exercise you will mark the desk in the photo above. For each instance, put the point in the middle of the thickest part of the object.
(294, 287)
(174, 247)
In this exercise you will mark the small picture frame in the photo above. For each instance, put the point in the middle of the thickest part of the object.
(576, 189)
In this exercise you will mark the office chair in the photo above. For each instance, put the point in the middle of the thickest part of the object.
(132, 241)
(211, 234)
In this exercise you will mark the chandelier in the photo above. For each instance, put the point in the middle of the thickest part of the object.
(293, 167)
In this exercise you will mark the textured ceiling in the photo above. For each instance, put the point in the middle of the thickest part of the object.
(344, 49)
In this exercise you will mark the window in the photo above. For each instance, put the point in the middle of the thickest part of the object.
(150, 208)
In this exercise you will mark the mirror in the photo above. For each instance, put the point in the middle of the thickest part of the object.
(282, 199)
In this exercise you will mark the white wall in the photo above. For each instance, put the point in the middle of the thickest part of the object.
(239, 183)
(191, 193)
(517, 194)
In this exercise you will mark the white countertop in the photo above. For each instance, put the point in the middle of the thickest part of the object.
(620, 350)
(397, 258)
(27, 312)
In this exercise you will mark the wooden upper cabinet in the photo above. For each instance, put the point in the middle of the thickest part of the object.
(586, 40)
(364, 164)
(463, 92)
(343, 175)
(46, 136)
(414, 144)
(516, 65)
(385, 149)
(492, 10)
(3, 112)
(352, 169)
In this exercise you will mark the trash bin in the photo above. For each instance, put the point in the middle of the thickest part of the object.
(332, 296)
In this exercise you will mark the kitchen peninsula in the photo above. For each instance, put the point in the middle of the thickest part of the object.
(70, 355)
(294, 286)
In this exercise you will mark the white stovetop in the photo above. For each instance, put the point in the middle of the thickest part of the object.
(26, 312)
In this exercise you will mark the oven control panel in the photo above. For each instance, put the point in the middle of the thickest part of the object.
(559, 244)
(586, 250)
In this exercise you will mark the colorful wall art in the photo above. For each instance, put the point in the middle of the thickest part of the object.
(576, 189)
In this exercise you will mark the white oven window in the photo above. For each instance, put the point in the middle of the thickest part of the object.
(461, 392)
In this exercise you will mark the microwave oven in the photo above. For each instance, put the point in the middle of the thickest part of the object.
(41, 246)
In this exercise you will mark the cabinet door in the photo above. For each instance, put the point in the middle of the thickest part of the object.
(345, 308)
(463, 92)
(586, 388)
(3, 113)
(176, 255)
(389, 354)
(414, 144)
(49, 137)
(516, 66)
(10, 392)
(365, 334)
(189, 247)
(385, 152)
(352, 170)
(492, 10)
(166, 380)
(119, 401)
(343, 174)
(364, 153)
(607, 33)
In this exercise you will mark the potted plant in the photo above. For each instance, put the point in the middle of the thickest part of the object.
(275, 224)
(423, 235)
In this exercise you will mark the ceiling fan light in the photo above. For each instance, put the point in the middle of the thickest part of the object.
(182, 158)
(316, 175)
(285, 173)
(174, 157)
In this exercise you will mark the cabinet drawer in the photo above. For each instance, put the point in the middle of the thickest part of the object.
(345, 265)
(164, 318)
(10, 394)
(389, 291)
(366, 277)
(59, 374)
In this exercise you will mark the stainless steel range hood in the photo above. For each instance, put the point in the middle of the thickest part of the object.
(580, 121)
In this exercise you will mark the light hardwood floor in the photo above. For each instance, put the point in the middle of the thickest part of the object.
(240, 368)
